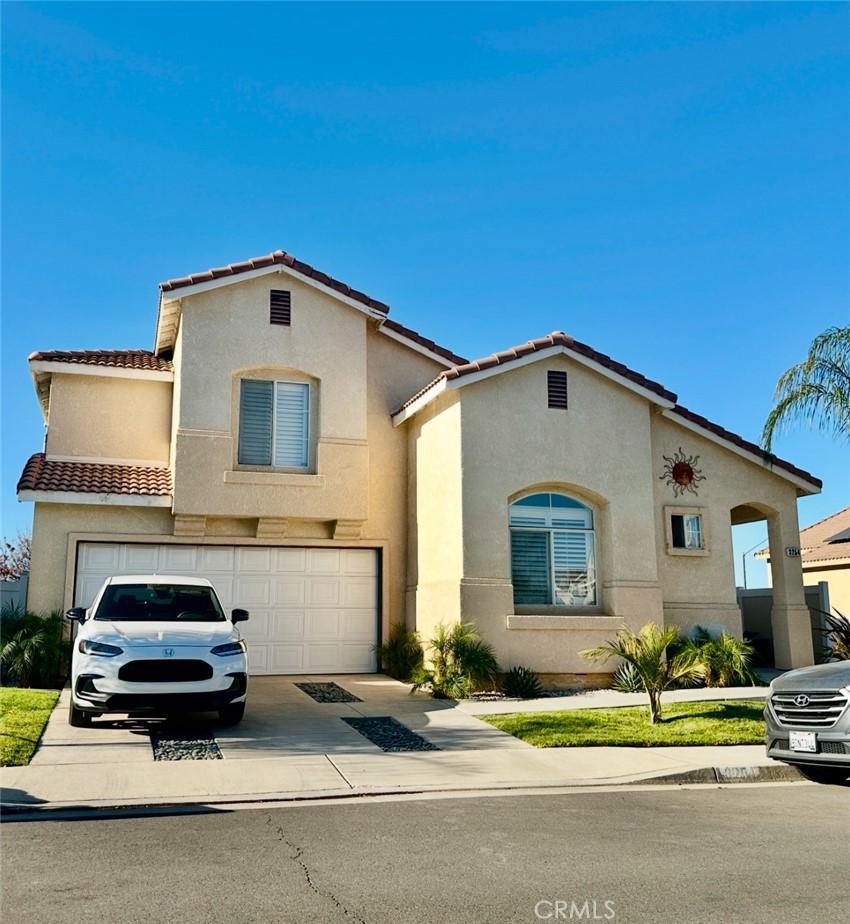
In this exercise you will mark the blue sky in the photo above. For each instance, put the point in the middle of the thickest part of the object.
(666, 182)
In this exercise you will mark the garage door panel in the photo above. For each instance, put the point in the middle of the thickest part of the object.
(311, 609)
(323, 561)
(323, 591)
(286, 659)
(357, 624)
(254, 559)
(289, 591)
(179, 559)
(288, 626)
(291, 561)
(217, 558)
(359, 592)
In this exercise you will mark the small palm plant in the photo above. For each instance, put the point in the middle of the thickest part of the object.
(722, 660)
(816, 390)
(31, 648)
(460, 663)
(838, 633)
(647, 651)
(401, 654)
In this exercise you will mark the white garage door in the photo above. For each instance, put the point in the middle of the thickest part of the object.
(312, 610)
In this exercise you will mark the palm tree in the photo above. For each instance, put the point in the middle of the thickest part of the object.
(816, 390)
(647, 652)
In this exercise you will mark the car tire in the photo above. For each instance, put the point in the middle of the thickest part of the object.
(834, 775)
(77, 718)
(232, 715)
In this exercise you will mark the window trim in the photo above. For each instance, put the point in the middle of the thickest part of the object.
(669, 513)
(308, 467)
(565, 608)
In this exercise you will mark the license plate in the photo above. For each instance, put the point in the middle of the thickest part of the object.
(803, 741)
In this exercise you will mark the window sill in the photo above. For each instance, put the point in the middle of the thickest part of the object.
(587, 619)
(294, 479)
(688, 553)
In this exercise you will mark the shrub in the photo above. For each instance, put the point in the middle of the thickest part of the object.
(401, 655)
(838, 635)
(32, 649)
(647, 652)
(626, 679)
(521, 682)
(460, 663)
(722, 660)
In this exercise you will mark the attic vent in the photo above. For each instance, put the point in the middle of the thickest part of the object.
(280, 307)
(557, 389)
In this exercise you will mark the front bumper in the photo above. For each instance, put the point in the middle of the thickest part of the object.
(833, 744)
(88, 698)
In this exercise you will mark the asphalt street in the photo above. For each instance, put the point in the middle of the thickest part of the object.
(773, 853)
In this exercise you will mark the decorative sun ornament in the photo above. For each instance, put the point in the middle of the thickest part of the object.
(681, 473)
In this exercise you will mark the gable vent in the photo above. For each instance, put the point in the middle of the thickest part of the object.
(557, 389)
(280, 307)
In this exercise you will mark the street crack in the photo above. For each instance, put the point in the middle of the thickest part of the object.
(297, 855)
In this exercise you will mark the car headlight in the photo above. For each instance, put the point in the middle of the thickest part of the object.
(229, 648)
(99, 648)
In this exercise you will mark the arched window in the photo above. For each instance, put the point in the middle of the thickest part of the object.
(553, 551)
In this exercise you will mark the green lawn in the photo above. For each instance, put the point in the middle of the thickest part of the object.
(727, 722)
(23, 715)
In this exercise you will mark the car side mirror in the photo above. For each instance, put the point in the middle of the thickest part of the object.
(77, 613)
(239, 615)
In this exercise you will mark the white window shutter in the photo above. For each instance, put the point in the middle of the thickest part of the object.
(255, 422)
(292, 424)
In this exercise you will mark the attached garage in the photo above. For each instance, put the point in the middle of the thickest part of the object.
(313, 610)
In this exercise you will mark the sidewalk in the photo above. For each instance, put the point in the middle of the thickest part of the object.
(213, 782)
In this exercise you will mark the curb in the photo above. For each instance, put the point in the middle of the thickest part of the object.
(711, 776)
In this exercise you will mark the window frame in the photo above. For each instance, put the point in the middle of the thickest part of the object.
(553, 605)
(685, 512)
(274, 381)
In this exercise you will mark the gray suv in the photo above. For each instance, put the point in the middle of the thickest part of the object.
(808, 720)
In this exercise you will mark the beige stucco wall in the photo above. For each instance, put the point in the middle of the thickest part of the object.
(109, 417)
(838, 578)
(51, 574)
(435, 558)
(606, 450)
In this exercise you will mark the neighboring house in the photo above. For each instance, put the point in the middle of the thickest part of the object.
(825, 556)
(335, 472)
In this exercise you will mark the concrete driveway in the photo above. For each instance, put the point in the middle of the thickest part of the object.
(281, 720)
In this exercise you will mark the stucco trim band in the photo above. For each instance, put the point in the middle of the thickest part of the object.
(80, 497)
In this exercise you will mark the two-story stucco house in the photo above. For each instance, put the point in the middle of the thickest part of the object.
(335, 472)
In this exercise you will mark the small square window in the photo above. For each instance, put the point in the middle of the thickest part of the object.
(686, 532)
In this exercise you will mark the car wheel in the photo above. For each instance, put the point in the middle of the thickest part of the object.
(835, 775)
(232, 715)
(77, 718)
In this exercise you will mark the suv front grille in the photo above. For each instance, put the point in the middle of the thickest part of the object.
(817, 709)
(165, 671)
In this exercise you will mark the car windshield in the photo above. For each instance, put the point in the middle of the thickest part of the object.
(159, 603)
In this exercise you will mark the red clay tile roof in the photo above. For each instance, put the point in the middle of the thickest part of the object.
(117, 359)
(556, 338)
(416, 337)
(739, 441)
(559, 338)
(277, 257)
(43, 474)
(826, 540)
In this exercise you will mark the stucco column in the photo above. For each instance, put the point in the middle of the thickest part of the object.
(792, 631)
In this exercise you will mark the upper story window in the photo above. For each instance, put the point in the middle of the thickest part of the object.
(686, 531)
(553, 551)
(274, 423)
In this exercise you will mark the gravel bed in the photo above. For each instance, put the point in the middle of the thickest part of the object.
(389, 734)
(496, 697)
(196, 744)
(328, 693)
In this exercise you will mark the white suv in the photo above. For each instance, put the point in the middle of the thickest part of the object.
(157, 644)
